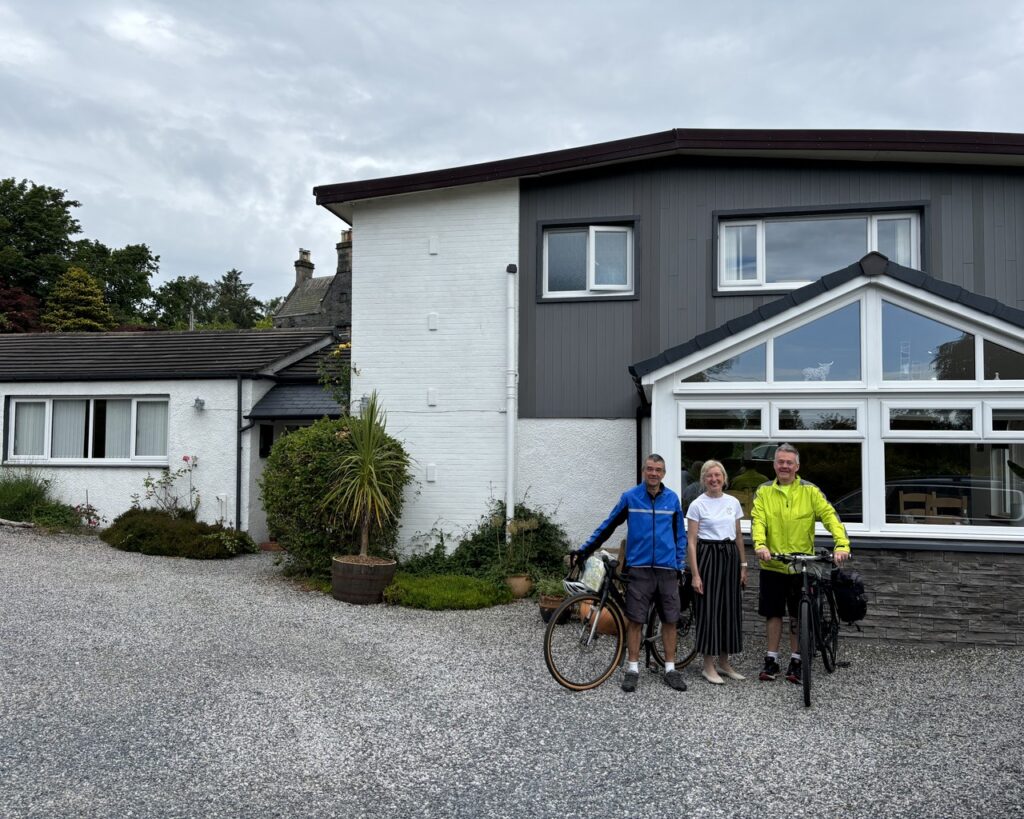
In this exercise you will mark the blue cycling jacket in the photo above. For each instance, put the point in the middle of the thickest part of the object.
(656, 533)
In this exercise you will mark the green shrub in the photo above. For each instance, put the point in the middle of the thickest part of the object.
(447, 591)
(155, 532)
(54, 515)
(297, 478)
(21, 492)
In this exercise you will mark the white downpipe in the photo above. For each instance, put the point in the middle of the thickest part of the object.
(511, 379)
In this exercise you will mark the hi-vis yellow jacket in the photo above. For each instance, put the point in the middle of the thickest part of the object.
(784, 521)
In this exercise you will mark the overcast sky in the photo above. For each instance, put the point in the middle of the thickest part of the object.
(201, 127)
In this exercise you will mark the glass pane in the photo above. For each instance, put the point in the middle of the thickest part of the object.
(567, 260)
(952, 484)
(834, 467)
(611, 264)
(957, 419)
(827, 349)
(1007, 420)
(807, 249)
(818, 419)
(1002, 363)
(69, 435)
(714, 418)
(916, 348)
(894, 239)
(30, 428)
(739, 253)
(151, 429)
(111, 429)
(747, 366)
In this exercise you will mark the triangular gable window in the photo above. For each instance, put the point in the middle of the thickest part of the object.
(826, 349)
(917, 348)
(747, 366)
(1002, 363)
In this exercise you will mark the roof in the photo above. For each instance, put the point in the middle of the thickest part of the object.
(295, 401)
(159, 355)
(957, 147)
(305, 298)
(873, 264)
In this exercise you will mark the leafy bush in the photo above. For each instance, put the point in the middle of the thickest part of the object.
(436, 592)
(156, 532)
(298, 476)
(25, 496)
(538, 547)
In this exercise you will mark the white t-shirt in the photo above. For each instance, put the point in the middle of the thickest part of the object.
(716, 517)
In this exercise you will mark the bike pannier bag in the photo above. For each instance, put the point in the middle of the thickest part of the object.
(593, 573)
(848, 587)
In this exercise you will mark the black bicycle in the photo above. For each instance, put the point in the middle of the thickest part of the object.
(585, 639)
(818, 617)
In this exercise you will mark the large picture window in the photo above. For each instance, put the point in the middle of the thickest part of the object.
(88, 429)
(784, 252)
(588, 260)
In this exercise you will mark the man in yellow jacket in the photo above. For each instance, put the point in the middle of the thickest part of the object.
(783, 522)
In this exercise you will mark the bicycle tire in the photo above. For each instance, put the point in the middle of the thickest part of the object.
(584, 642)
(806, 642)
(686, 630)
(828, 631)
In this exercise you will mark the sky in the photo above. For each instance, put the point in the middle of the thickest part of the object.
(201, 128)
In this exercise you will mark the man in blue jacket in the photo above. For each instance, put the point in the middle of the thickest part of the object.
(655, 554)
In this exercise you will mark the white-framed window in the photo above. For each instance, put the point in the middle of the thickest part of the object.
(936, 419)
(786, 252)
(742, 420)
(88, 430)
(588, 260)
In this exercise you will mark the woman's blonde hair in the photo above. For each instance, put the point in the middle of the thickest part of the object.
(711, 465)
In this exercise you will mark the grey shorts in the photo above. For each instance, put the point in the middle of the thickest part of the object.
(645, 584)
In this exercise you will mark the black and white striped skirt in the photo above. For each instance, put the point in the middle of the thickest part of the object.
(720, 609)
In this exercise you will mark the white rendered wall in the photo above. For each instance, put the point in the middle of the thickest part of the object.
(210, 434)
(438, 259)
(576, 468)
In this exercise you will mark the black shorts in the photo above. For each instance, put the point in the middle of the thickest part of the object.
(777, 593)
(645, 584)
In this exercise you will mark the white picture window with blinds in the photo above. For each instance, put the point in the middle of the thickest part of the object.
(88, 429)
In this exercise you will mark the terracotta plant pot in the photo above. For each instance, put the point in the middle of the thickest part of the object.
(548, 603)
(362, 580)
(521, 584)
(605, 622)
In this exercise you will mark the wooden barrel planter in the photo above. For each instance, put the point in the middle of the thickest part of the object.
(357, 580)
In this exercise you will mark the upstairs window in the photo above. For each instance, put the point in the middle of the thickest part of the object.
(785, 252)
(588, 260)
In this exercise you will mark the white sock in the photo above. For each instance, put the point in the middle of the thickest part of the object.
(773, 654)
(669, 667)
(795, 657)
(633, 667)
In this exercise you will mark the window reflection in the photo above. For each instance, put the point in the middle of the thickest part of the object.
(1002, 363)
(807, 249)
(827, 349)
(917, 348)
(957, 419)
(818, 418)
(747, 366)
(715, 418)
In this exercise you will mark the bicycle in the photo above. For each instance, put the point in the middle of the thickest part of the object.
(817, 615)
(585, 639)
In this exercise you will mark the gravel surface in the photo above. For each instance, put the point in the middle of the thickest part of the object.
(143, 686)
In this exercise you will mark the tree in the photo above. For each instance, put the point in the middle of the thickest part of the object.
(19, 312)
(122, 274)
(232, 303)
(36, 227)
(174, 301)
(76, 305)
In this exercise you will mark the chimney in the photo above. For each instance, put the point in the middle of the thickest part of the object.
(303, 267)
(343, 281)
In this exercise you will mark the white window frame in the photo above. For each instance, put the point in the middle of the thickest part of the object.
(593, 288)
(745, 434)
(45, 458)
(759, 283)
(855, 434)
(1001, 434)
(951, 402)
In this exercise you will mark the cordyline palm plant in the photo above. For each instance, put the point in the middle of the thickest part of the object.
(369, 480)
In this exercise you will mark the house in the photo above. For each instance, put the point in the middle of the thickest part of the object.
(319, 301)
(535, 324)
(95, 413)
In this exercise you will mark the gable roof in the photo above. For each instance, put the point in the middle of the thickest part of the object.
(156, 355)
(294, 402)
(872, 265)
(305, 298)
(957, 147)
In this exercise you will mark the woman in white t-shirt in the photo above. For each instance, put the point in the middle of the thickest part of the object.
(717, 560)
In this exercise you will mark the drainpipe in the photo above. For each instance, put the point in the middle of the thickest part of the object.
(642, 411)
(238, 454)
(511, 377)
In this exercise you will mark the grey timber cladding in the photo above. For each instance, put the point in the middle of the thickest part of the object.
(574, 356)
(100, 356)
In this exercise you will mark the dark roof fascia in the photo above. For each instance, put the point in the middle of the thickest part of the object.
(205, 375)
(872, 265)
(864, 145)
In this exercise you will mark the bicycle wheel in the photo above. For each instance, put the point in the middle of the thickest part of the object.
(685, 633)
(806, 641)
(828, 630)
(584, 642)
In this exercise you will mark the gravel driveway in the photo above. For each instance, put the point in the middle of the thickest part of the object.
(143, 686)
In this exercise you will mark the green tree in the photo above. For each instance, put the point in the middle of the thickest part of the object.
(76, 305)
(232, 303)
(36, 226)
(174, 301)
(123, 274)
